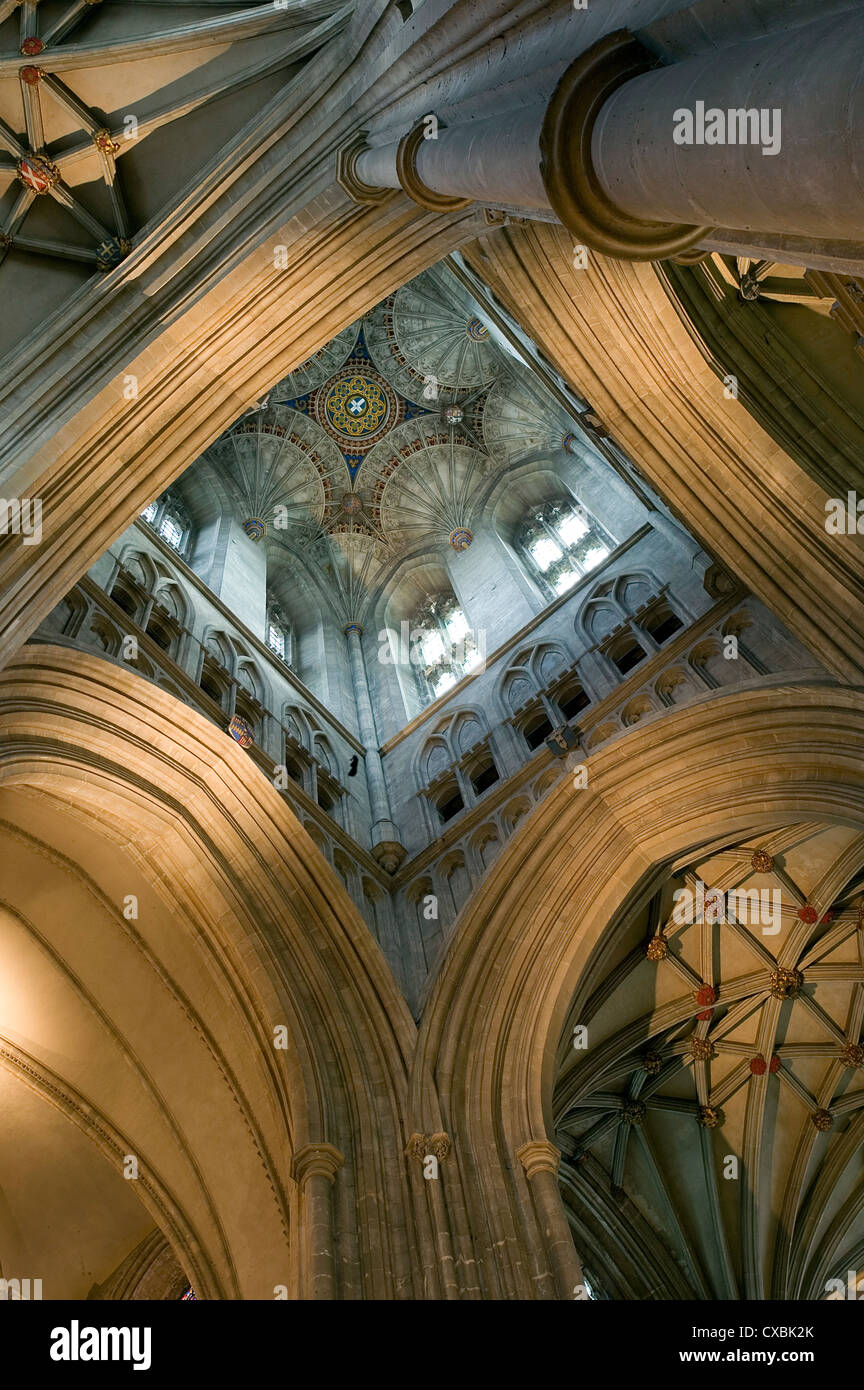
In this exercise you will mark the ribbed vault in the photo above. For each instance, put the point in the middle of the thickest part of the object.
(720, 1091)
(497, 1027)
(107, 109)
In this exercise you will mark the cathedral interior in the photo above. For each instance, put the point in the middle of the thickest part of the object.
(431, 649)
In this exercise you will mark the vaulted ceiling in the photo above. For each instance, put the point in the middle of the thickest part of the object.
(110, 109)
(711, 1118)
(385, 444)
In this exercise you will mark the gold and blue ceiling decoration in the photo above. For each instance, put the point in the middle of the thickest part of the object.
(383, 444)
(356, 406)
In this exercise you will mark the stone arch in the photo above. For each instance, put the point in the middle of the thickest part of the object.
(467, 728)
(426, 909)
(734, 763)
(636, 709)
(319, 839)
(322, 750)
(345, 869)
(517, 688)
(67, 618)
(675, 686)
(376, 907)
(217, 644)
(453, 873)
(140, 566)
(295, 722)
(143, 666)
(707, 660)
(105, 634)
(432, 759)
(486, 845)
(549, 660)
(250, 679)
(514, 812)
(633, 590)
(171, 596)
(599, 618)
(545, 783)
(131, 772)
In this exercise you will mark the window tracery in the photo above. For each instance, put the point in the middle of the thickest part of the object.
(562, 541)
(445, 646)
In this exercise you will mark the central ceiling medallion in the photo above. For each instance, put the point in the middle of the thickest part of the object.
(356, 406)
(785, 983)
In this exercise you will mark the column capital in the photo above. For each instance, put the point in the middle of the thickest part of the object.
(316, 1161)
(353, 627)
(567, 161)
(539, 1156)
(413, 185)
(389, 854)
(347, 176)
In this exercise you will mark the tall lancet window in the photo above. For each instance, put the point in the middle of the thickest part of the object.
(168, 519)
(443, 647)
(279, 634)
(562, 541)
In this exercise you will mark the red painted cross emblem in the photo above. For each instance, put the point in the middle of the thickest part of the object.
(36, 173)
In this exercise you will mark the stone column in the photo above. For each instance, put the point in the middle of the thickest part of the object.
(804, 84)
(314, 1169)
(600, 152)
(491, 590)
(540, 1160)
(494, 161)
(385, 837)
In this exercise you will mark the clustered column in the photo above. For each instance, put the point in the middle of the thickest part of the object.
(540, 1159)
(385, 837)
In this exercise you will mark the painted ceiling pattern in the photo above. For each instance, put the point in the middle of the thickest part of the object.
(90, 89)
(715, 1118)
(387, 439)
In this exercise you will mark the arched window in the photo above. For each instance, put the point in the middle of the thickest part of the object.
(444, 648)
(278, 635)
(171, 530)
(562, 541)
(168, 518)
